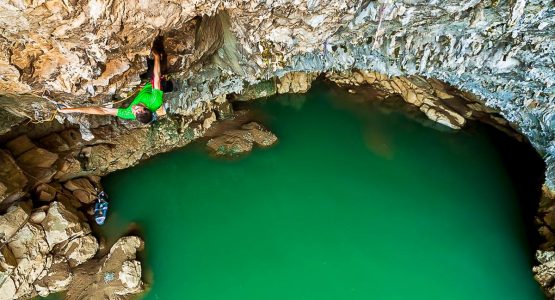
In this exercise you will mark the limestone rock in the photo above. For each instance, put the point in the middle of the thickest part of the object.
(37, 217)
(229, 145)
(20, 145)
(78, 250)
(45, 192)
(37, 157)
(118, 274)
(7, 265)
(12, 178)
(82, 189)
(68, 167)
(54, 142)
(295, 82)
(62, 223)
(237, 141)
(55, 279)
(12, 221)
(38, 163)
(260, 135)
(30, 249)
(72, 138)
(545, 272)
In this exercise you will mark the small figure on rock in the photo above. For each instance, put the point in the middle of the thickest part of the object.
(147, 105)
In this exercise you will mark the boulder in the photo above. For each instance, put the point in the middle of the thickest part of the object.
(117, 275)
(30, 248)
(237, 141)
(37, 158)
(55, 279)
(62, 223)
(260, 135)
(12, 221)
(68, 167)
(78, 250)
(20, 145)
(8, 289)
(82, 189)
(7, 264)
(45, 192)
(54, 142)
(37, 217)
(79, 184)
(229, 145)
(38, 163)
(12, 178)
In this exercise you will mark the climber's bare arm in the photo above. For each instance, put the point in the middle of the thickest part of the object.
(95, 110)
(156, 72)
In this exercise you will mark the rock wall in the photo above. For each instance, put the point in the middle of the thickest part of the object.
(84, 53)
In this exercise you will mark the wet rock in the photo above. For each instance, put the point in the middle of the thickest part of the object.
(62, 223)
(229, 145)
(118, 274)
(12, 178)
(260, 135)
(238, 141)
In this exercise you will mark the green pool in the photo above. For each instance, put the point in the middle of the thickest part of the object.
(356, 201)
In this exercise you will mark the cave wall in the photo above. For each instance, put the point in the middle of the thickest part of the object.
(85, 53)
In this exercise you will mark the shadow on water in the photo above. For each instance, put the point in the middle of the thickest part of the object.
(526, 170)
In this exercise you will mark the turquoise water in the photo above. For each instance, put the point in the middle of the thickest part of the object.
(355, 202)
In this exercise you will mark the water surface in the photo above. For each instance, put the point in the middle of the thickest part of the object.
(354, 202)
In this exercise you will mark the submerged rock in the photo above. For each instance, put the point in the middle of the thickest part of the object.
(238, 141)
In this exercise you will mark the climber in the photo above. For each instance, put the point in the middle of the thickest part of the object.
(146, 106)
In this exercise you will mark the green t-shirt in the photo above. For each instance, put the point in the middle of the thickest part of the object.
(149, 97)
